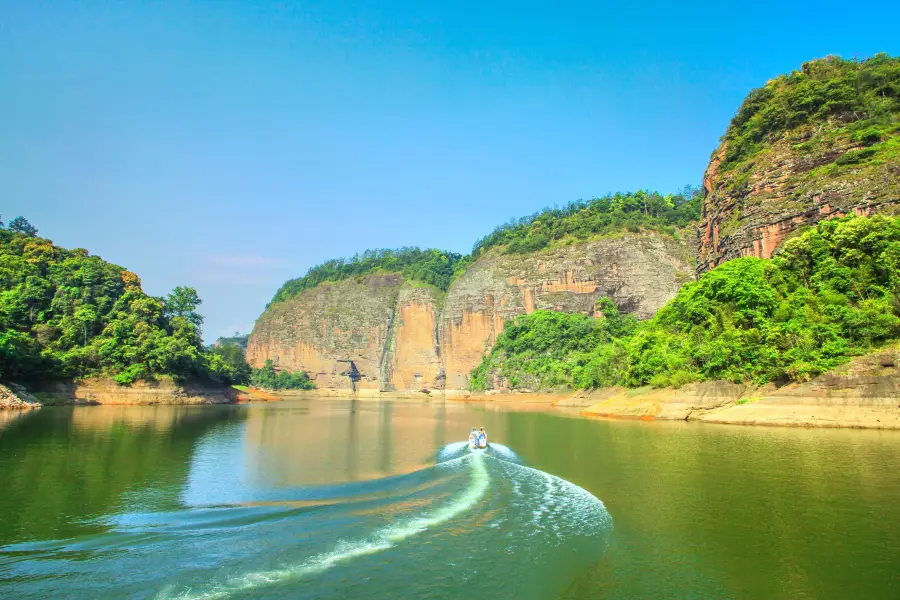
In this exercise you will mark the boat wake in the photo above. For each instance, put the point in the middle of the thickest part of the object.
(475, 517)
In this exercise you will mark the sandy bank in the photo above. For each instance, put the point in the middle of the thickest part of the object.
(107, 391)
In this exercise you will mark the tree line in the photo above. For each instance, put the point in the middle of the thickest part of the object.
(68, 314)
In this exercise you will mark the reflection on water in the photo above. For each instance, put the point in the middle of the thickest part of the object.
(323, 443)
(340, 499)
(61, 467)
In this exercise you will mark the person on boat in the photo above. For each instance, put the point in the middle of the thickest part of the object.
(482, 438)
(473, 438)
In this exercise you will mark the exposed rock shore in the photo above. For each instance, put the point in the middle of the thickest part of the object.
(107, 391)
(865, 393)
(15, 397)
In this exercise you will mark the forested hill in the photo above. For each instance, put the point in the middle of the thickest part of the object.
(65, 313)
(434, 267)
(582, 220)
(824, 101)
(585, 219)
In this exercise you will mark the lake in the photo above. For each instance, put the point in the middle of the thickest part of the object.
(383, 499)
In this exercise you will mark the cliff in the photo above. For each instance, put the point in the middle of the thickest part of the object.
(639, 272)
(818, 143)
(388, 333)
(337, 332)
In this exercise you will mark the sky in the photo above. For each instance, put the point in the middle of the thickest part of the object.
(230, 146)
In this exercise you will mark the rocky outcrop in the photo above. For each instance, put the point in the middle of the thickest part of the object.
(751, 209)
(15, 397)
(353, 334)
(161, 391)
(865, 393)
(384, 333)
(412, 360)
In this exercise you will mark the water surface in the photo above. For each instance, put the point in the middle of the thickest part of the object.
(338, 499)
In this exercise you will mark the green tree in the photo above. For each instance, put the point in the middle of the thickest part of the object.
(228, 364)
(21, 225)
(269, 378)
(65, 313)
(183, 302)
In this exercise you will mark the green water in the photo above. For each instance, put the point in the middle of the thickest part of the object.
(343, 499)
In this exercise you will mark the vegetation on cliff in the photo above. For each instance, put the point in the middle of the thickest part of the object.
(830, 97)
(65, 313)
(434, 267)
(832, 293)
(598, 216)
(579, 221)
(540, 349)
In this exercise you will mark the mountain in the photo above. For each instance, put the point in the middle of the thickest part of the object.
(820, 142)
(816, 144)
(413, 319)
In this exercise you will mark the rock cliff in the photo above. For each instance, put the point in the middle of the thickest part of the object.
(818, 143)
(639, 272)
(387, 333)
(338, 332)
(785, 190)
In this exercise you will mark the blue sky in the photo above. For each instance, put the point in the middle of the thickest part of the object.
(232, 145)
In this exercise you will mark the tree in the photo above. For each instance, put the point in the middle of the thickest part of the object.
(227, 364)
(183, 302)
(21, 225)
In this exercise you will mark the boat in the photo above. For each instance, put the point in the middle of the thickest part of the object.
(479, 443)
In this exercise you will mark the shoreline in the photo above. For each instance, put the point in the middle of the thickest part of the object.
(710, 402)
(862, 394)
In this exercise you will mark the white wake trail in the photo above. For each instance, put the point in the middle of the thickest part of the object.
(382, 540)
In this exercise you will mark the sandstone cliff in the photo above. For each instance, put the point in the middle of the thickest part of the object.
(784, 190)
(338, 332)
(383, 332)
(819, 143)
(639, 272)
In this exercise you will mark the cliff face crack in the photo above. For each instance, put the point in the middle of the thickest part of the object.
(384, 366)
